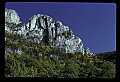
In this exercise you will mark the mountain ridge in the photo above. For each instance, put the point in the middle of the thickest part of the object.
(35, 51)
(51, 32)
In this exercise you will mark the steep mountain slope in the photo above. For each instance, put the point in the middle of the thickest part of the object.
(45, 31)
(46, 48)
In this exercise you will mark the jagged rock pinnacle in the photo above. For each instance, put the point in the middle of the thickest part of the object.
(51, 32)
(11, 16)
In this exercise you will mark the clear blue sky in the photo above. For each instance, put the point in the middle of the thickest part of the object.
(94, 23)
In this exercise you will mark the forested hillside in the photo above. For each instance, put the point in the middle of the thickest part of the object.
(109, 56)
(44, 61)
(48, 49)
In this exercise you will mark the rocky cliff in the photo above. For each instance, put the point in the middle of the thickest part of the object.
(47, 31)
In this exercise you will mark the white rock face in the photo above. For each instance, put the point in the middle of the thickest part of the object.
(11, 16)
(12, 19)
(88, 52)
(57, 33)
(47, 29)
(7, 29)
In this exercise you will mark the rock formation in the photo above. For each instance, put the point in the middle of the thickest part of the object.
(48, 31)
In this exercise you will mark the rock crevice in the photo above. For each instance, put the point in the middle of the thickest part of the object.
(51, 32)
